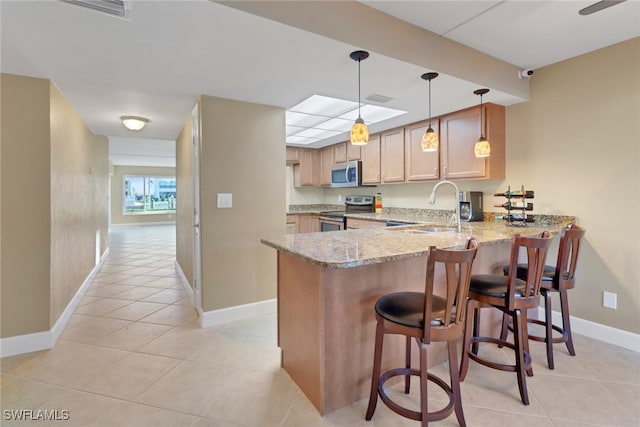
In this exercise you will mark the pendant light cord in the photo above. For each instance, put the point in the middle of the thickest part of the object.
(481, 133)
(359, 60)
(429, 103)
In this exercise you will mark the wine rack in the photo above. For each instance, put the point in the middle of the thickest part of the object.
(518, 206)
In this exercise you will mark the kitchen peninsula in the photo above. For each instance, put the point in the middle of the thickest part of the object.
(327, 287)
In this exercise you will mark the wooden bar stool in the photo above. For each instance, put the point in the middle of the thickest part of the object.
(405, 313)
(556, 278)
(512, 296)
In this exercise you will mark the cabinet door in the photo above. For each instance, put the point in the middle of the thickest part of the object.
(326, 162)
(353, 152)
(371, 160)
(293, 155)
(307, 172)
(392, 155)
(340, 152)
(308, 223)
(458, 135)
(420, 166)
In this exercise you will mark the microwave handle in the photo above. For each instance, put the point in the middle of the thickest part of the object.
(346, 173)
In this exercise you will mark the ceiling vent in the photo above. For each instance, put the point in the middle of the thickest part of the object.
(379, 98)
(119, 8)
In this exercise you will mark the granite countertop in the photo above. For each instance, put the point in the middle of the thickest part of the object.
(353, 248)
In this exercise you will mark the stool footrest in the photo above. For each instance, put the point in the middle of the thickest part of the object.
(497, 365)
(555, 340)
(414, 415)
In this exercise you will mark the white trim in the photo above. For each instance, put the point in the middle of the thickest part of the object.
(600, 332)
(238, 312)
(138, 224)
(45, 340)
(187, 288)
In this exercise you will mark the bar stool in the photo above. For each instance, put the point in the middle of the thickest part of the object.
(512, 296)
(405, 313)
(556, 278)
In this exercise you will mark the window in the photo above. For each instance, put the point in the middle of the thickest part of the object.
(149, 194)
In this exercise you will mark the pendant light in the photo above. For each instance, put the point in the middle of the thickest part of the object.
(482, 148)
(430, 140)
(359, 131)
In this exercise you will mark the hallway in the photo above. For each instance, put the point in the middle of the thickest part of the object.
(133, 354)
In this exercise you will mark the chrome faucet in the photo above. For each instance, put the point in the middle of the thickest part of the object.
(432, 200)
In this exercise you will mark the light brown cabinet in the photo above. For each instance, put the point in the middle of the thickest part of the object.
(292, 223)
(371, 160)
(420, 166)
(458, 134)
(326, 162)
(308, 223)
(357, 223)
(345, 152)
(293, 155)
(307, 172)
(392, 155)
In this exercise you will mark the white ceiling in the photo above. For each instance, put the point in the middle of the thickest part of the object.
(157, 63)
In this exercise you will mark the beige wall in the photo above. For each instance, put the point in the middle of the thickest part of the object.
(25, 229)
(79, 181)
(243, 153)
(184, 211)
(54, 203)
(117, 195)
(577, 144)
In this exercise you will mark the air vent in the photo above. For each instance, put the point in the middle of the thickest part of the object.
(379, 98)
(119, 8)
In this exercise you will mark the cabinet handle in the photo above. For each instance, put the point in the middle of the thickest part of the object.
(445, 171)
(435, 171)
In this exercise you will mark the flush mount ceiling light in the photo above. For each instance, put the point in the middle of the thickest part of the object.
(134, 122)
(482, 148)
(359, 131)
(430, 140)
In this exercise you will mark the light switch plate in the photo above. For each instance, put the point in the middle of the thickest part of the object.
(225, 200)
(609, 300)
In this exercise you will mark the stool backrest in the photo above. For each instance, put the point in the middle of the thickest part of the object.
(568, 251)
(457, 267)
(536, 249)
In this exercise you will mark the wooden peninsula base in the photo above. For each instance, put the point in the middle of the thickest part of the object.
(326, 321)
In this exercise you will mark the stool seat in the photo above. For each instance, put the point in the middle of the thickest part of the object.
(495, 286)
(407, 308)
(521, 272)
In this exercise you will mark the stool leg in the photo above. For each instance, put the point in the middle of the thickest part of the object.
(548, 327)
(505, 328)
(455, 382)
(566, 325)
(525, 340)
(407, 359)
(424, 407)
(466, 342)
(518, 325)
(476, 329)
(375, 376)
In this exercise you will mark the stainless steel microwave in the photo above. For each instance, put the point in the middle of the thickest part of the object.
(347, 174)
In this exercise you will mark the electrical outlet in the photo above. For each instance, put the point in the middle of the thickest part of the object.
(609, 300)
(339, 197)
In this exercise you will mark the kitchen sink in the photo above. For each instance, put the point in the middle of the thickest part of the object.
(427, 230)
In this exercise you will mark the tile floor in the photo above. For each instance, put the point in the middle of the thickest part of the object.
(134, 355)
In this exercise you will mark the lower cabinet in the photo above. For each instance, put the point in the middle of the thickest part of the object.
(308, 223)
(292, 223)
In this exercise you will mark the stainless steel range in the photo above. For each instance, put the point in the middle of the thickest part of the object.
(336, 220)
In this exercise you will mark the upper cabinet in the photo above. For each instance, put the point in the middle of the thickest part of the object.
(293, 155)
(420, 166)
(370, 156)
(307, 172)
(392, 155)
(345, 152)
(326, 162)
(458, 134)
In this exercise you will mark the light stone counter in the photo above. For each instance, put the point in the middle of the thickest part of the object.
(353, 248)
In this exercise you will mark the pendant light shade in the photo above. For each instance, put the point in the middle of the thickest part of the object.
(482, 147)
(359, 131)
(430, 139)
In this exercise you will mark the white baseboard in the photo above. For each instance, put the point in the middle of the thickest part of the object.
(238, 312)
(187, 288)
(46, 339)
(597, 331)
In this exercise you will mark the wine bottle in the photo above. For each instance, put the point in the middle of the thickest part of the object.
(516, 205)
(516, 217)
(528, 194)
